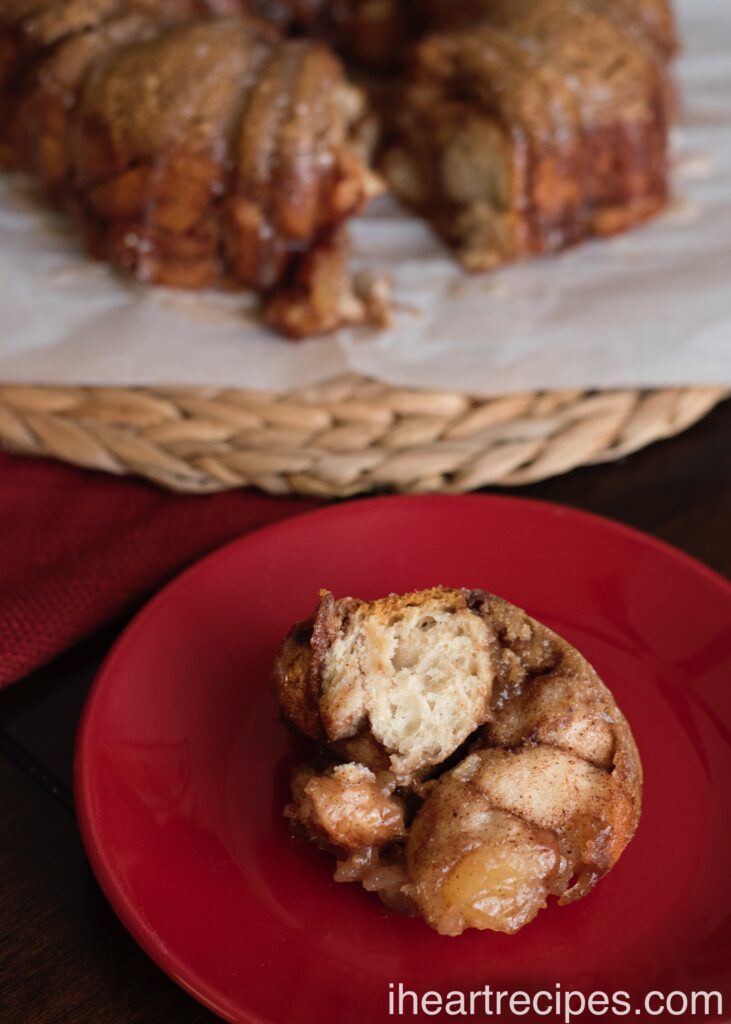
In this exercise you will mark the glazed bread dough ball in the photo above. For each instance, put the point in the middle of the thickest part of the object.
(347, 807)
(506, 829)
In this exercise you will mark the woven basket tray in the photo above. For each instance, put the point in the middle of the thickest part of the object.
(342, 438)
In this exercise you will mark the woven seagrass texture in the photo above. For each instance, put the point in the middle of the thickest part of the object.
(345, 437)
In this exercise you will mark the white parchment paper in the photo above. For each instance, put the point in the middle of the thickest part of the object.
(650, 308)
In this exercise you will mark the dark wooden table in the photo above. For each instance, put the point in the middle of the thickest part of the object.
(64, 957)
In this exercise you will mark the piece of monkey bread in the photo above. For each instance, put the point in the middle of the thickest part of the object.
(470, 763)
(524, 128)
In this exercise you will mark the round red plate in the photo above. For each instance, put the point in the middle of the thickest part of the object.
(182, 766)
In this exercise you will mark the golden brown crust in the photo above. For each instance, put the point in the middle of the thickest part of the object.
(297, 675)
(295, 684)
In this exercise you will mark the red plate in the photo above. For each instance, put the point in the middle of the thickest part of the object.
(182, 766)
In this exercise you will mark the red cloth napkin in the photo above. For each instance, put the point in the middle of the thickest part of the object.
(80, 549)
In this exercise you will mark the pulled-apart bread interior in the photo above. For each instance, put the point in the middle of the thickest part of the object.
(412, 675)
(470, 763)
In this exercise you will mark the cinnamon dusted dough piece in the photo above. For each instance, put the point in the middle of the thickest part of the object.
(360, 817)
(50, 45)
(347, 807)
(216, 149)
(196, 147)
(507, 828)
(38, 24)
(38, 126)
(536, 126)
(30, 29)
(547, 692)
(547, 790)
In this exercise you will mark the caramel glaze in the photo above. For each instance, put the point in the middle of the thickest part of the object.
(193, 147)
(581, 94)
